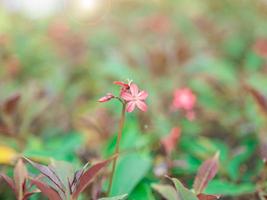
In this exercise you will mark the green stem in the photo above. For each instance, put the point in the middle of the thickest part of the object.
(117, 150)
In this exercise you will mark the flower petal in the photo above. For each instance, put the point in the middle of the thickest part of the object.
(142, 95)
(126, 96)
(184, 98)
(141, 105)
(120, 83)
(134, 89)
(130, 106)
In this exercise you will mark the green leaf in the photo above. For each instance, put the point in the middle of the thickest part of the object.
(120, 197)
(130, 170)
(68, 144)
(183, 192)
(223, 72)
(131, 133)
(226, 188)
(253, 62)
(190, 165)
(247, 150)
(142, 191)
(166, 191)
(201, 148)
(20, 177)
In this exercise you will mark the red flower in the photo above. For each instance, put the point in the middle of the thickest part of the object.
(106, 98)
(185, 99)
(134, 98)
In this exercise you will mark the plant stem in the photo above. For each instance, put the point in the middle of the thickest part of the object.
(117, 150)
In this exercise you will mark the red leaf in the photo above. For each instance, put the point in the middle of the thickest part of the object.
(206, 172)
(49, 173)
(11, 103)
(170, 141)
(49, 192)
(263, 150)
(4, 128)
(76, 179)
(258, 97)
(9, 181)
(207, 197)
(88, 176)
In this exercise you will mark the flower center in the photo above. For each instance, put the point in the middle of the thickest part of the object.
(135, 98)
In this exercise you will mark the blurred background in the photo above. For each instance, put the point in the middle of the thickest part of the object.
(58, 57)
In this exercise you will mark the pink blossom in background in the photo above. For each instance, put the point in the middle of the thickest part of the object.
(170, 141)
(260, 47)
(157, 23)
(185, 99)
(135, 98)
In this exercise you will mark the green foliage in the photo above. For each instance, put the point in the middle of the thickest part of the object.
(53, 71)
(131, 169)
(229, 189)
(183, 192)
(68, 144)
(120, 197)
(167, 191)
(142, 191)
